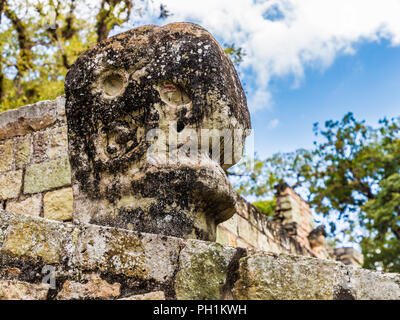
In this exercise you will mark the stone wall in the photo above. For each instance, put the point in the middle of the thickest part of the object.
(95, 262)
(35, 175)
(35, 179)
(256, 257)
(287, 233)
(251, 229)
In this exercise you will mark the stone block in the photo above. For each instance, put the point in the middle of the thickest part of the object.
(25, 236)
(266, 276)
(232, 240)
(10, 184)
(22, 151)
(144, 257)
(40, 145)
(241, 243)
(93, 288)
(6, 155)
(58, 205)
(247, 231)
(47, 175)
(57, 142)
(263, 243)
(203, 270)
(30, 118)
(222, 236)
(18, 290)
(31, 205)
(372, 285)
(116, 251)
(231, 224)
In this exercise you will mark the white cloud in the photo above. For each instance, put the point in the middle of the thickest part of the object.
(298, 33)
(272, 124)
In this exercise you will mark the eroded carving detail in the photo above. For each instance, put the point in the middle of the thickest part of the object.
(133, 93)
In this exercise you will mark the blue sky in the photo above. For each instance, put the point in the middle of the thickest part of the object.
(306, 61)
(366, 83)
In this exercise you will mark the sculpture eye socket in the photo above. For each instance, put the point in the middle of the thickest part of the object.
(113, 84)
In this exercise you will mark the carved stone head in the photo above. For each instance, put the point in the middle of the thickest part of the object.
(138, 105)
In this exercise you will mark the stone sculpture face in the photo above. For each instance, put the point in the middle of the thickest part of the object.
(134, 102)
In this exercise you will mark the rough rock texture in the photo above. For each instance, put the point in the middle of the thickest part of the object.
(266, 276)
(58, 205)
(18, 290)
(203, 271)
(281, 277)
(157, 295)
(94, 288)
(29, 119)
(34, 157)
(167, 82)
(175, 79)
(35, 147)
(96, 262)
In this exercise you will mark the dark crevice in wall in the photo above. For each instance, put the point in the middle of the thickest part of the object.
(170, 294)
(232, 274)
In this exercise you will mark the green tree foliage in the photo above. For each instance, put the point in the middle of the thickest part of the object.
(236, 54)
(353, 171)
(40, 39)
(267, 207)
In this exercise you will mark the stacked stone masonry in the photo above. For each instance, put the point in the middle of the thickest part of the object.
(35, 179)
(85, 213)
(249, 228)
(96, 262)
(35, 175)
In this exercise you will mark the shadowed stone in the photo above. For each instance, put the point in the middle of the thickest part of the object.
(135, 93)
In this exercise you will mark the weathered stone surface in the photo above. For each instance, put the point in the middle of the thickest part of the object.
(117, 251)
(47, 175)
(10, 184)
(203, 270)
(17, 290)
(372, 285)
(30, 118)
(22, 151)
(145, 257)
(40, 146)
(222, 236)
(175, 79)
(231, 224)
(185, 269)
(9, 273)
(157, 295)
(31, 205)
(25, 236)
(58, 142)
(266, 276)
(57, 205)
(94, 288)
(247, 231)
(6, 155)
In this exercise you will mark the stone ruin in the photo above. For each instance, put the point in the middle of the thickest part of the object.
(109, 193)
(177, 80)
